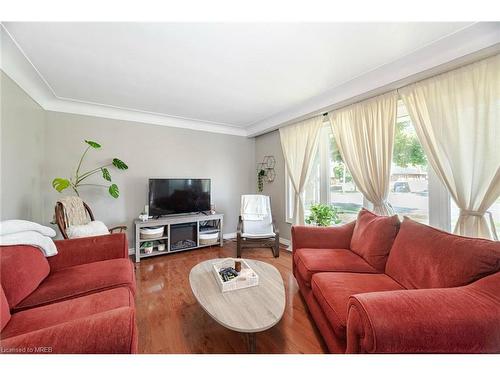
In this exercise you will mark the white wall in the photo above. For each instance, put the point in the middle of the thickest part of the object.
(22, 146)
(149, 151)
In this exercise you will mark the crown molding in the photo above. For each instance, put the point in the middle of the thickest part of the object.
(19, 68)
(465, 46)
(470, 44)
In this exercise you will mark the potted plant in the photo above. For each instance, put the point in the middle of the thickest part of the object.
(260, 180)
(323, 215)
(147, 246)
(75, 181)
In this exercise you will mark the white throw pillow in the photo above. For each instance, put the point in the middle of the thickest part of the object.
(94, 228)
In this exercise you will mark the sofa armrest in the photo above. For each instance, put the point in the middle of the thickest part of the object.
(322, 237)
(77, 251)
(449, 320)
(109, 332)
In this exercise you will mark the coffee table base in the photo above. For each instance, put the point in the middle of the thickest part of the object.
(251, 339)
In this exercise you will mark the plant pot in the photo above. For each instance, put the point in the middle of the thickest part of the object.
(148, 249)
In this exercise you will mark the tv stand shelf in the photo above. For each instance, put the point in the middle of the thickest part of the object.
(179, 229)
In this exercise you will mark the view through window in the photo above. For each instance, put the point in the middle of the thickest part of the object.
(330, 181)
(409, 186)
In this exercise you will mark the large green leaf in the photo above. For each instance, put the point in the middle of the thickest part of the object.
(113, 191)
(93, 144)
(60, 184)
(119, 164)
(105, 174)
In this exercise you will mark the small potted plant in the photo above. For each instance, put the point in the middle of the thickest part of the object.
(260, 180)
(323, 215)
(147, 247)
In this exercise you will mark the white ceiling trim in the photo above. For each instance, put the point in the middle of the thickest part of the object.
(19, 68)
(465, 46)
(469, 44)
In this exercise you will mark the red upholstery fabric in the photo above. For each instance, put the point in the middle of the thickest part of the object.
(311, 261)
(58, 313)
(444, 320)
(23, 268)
(333, 289)
(89, 249)
(110, 332)
(373, 237)
(5, 311)
(71, 282)
(334, 343)
(322, 237)
(424, 257)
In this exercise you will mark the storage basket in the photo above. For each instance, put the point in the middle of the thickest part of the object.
(209, 238)
(151, 233)
(246, 279)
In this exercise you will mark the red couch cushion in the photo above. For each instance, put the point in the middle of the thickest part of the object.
(22, 269)
(80, 280)
(332, 291)
(424, 257)
(5, 311)
(311, 261)
(57, 313)
(373, 237)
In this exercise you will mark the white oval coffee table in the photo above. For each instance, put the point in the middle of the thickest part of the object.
(248, 310)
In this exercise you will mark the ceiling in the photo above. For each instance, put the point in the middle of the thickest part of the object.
(233, 76)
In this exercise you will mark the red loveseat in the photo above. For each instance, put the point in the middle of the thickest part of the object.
(79, 301)
(380, 286)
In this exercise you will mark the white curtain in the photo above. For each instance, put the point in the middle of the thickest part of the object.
(300, 143)
(364, 133)
(457, 119)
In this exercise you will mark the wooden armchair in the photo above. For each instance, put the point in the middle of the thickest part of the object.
(61, 222)
(263, 233)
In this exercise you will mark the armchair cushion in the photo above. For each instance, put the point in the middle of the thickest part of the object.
(83, 279)
(311, 261)
(94, 228)
(373, 237)
(425, 257)
(260, 235)
(23, 268)
(97, 323)
(442, 320)
(332, 291)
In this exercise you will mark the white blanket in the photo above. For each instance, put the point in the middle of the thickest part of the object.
(254, 207)
(16, 226)
(30, 237)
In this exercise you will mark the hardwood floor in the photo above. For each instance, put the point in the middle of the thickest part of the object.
(171, 321)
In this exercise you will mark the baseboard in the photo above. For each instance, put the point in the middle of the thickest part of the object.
(229, 236)
(287, 243)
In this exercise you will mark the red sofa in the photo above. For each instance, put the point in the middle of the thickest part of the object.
(380, 286)
(79, 301)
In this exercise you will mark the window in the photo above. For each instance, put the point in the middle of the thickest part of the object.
(415, 190)
(409, 186)
(342, 189)
(329, 181)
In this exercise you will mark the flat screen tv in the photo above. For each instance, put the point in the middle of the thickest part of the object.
(170, 196)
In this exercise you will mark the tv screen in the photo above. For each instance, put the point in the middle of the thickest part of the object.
(168, 196)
